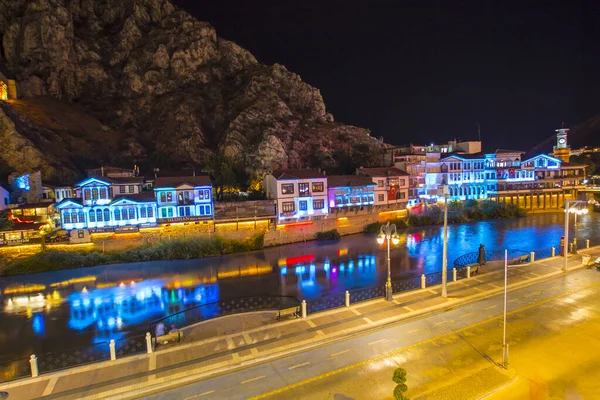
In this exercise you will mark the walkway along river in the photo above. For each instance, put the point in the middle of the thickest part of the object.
(65, 309)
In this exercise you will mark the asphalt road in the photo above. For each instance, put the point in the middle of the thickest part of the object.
(455, 354)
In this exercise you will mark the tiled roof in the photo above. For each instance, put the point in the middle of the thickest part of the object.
(125, 180)
(284, 174)
(75, 200)
(465, 156)
(383, 171)
(349, 180)
(175, 181)
(571, 165)
(137, 197)
(36, 205)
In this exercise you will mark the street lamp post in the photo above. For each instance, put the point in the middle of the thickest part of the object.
(390, 233)
(445, 250)
(569, 209)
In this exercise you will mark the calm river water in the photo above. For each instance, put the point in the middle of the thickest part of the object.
(49, 311)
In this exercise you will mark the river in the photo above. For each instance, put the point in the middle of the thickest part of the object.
(76, 307)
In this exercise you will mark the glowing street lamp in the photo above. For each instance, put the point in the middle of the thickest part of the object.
(390, 233)
(571, 210)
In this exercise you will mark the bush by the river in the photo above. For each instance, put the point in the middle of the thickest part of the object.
(328, 235)
(458, 212)
(174, 249)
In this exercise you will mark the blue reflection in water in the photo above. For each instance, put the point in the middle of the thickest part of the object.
(108, 310)
(38, 324)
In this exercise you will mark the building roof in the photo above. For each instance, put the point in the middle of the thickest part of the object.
(175, 181)
(126, 180)
(349, 180)
(571, 165)
(293, 174)
(24, 226)
(464, 156)
(509, 151)
(35, 205)
(136, 197)
(75, 200)
(54, 185)
(382, 171)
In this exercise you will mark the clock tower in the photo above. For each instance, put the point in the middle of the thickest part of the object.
(562, 150)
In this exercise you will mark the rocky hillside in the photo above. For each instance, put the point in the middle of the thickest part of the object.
(163, 89)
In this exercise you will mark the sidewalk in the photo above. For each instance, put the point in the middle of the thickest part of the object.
(237, 341)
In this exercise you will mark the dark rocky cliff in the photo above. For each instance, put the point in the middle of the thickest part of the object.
(164, 90)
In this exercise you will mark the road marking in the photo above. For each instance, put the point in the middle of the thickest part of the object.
(377, 341)
(490, 307)
(299, 365)
(320, 332)
(247, 338)
(253, 379)
(412, 331)
(398, 351)
(311, 324)
(510, 301)
(199, 395)
(50, 387)
(464, 315)
(368, 321)
(444, 322)
(230, 344)
(408, 308)
(339, 353)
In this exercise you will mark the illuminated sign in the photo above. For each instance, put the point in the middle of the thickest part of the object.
(183, 219)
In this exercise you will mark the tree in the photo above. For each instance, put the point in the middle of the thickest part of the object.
(225, 173)
(400, 379)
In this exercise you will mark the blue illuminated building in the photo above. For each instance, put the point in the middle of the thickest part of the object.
(350, 192)
(181, 199)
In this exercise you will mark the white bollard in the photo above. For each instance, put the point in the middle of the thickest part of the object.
(148, 343)
(468, 271)
(454, 274)
(303, 308)
(532, 256)
(34, 366)
(423, 283)
(113, 353)
(553, 252)
(347, 298)
(587, 243)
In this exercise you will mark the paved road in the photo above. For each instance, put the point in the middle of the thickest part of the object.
(458, 348)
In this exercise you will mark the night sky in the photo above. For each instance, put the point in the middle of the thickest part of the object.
(429, 71)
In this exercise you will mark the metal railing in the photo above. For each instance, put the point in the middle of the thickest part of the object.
(222, 308)
(57, 360)
(130, 346)
(514, 256)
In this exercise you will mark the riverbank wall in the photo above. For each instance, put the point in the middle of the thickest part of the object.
(274, 235)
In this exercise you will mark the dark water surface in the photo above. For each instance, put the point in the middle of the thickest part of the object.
(77, 307)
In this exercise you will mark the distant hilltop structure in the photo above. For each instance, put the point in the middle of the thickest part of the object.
(562, 150)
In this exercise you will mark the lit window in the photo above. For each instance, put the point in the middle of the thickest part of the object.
(288, 206)
(106, 214)
(121, 189)
(287, 188)
(317, 187)
(131, 213)
(170, 197)
(318, 204)
(117, 215)
(103, 193)
(143, 212)
(99, 215)
(81, 216)
(170, 212)
(94, 194)
(303, 189)
(92, 216)
(163, 197)
(150, 212)
(303, 204)
(67, 218)
(86, 194)
(124, 214)
(131, 189)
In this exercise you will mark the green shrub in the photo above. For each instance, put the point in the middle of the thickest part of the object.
(175, 249)
(329, 235)
(399, 378)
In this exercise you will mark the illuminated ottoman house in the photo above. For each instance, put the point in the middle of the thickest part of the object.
(104, 204)
(183, 199)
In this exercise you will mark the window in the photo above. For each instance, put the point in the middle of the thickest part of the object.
(169, 196)
(288, 206)
(303, 204)
(67, 218)
(184, 211)
(207, 210)
(131, 213)
(380, 183)
(303, 189)
(402, 182)
(163, 212)
(131, 189)
(381, 197)
(117, 215)
(106, 215)
(80, 234)
(287, 188)
(143, 212)
(94, 194)
(92, 216)
(317, 187)
(74, 217)
(81, 216)
(86, 194)
(124, 214)
(150, 212)
(207, 194)
(99, 215)
(318, 204)
(200, 194)
(402, 196)
(103, 193)
(121, 189)
(170, 212)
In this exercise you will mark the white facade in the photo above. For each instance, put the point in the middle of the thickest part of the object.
(301, 194)
(4, 199)
(391, 185)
